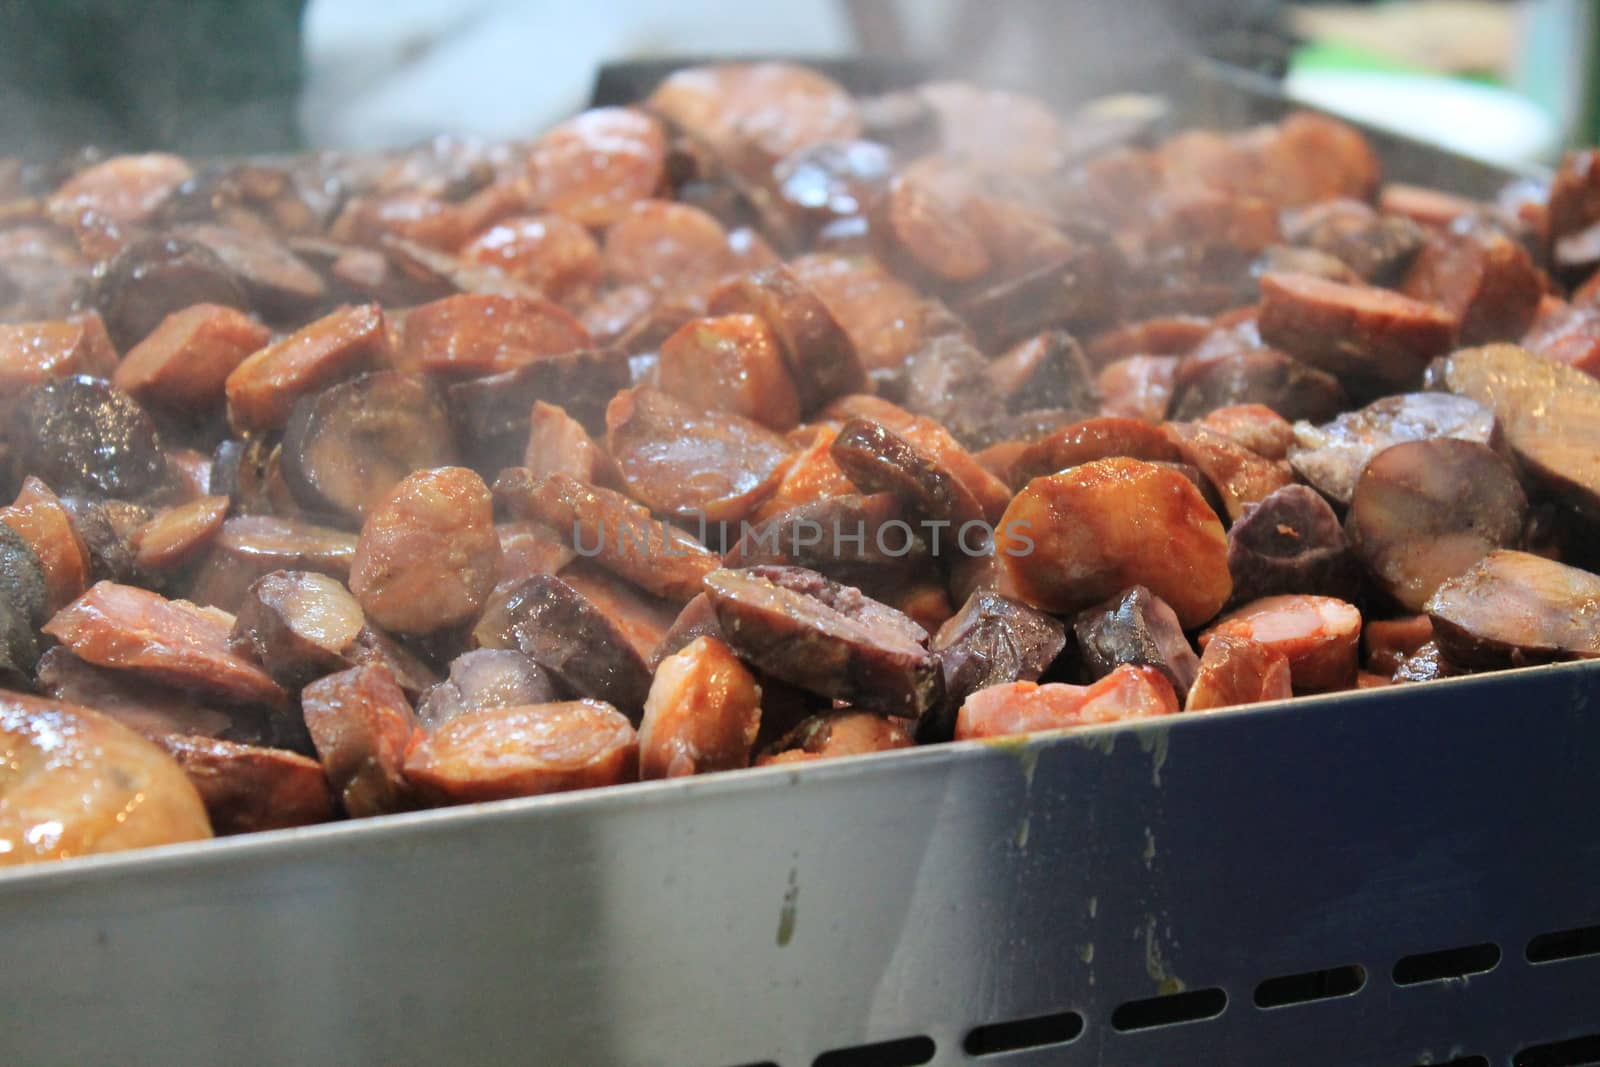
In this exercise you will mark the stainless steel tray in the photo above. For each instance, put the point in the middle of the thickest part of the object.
(1374, 867)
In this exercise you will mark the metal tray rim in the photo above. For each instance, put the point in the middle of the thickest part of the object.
(631, 794)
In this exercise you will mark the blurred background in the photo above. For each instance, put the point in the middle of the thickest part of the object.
(1507, 81)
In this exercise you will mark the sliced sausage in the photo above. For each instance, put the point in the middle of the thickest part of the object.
(474, 334)
(362, 725)
(148, 708)
(825, 637)
(84, 435)
(1425, 511)
(558, 444)
(641, 618)
(1137, 627)
(1237, 670)
(347, 447)
(262, 390)
(1483, 277)
(1318, 635)
(78, 783)
(151, 277)
(1255, 376)
(1550, 415)
(1566, 334)
(178, 535)
(1137, 387)
(838, 733)
(1125, 694)
(1091, 439)
(171, 641)
(485, 678)
(1254, 426)
(184, 362)
(522, 751)
(38, 516)
(299, 625)
(1291, 542)
(992, 640)
(247, 787)
(1426, 664)
(697, 619)
(821, 356)
(1332, 456)
(35, 352)
(1047, 370)
(567, 634)
(550, 252)
(734, 362)
(930, 230)
(428, 553)
(670, 247)
(810, 476)
(1072, 539)
(1362, 333)
(614, 531)
(126, 189)
(883, 316)
(1239, 475)
(851, 538)
(1512, 608)
(276, 280)
(491, 414)
(754, 114)
(1387, 643)
(682, 461)
(593, 166)
(878, 460)
(702, 715)
(1375, 247)
(249, 546)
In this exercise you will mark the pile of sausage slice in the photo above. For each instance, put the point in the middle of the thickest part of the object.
(757, 424)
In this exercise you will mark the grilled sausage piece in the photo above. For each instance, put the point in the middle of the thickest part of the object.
(151, 277)
(428, 552)
(734, 362)
(1137, 387)
(1550, 415)
(148, 708)
(552, 253)
(992, 640)
(1387, 643)
(362, 726)
(1364, 335)
(680, 460)
(84, 435)
(1240, 476)
(1567, 334)
(522, 751)
(1126, 693)
(1136, 627)
(822, 358)
(299, 625)
(472, 334)
(1318, 635)
(883, 316)
(1237, 670)
(1483, 277)
(827, 638)
(347, 447)
(1253, 426)
(249, 546)
(878, 460)
(593, 166)
(1097, 438)
(1291, 542)
(617, 533)
(703, 713)
(586, 651)
(838, 733)
(1425, 511)
(852, 539)
(262, 390)
(170, 641)
(1332, 456)
(485, 678)
(179, 534)
(78, 783)
(1512, 608)
(1255, 376)
(34, 352)
(1070, 540)
(40, 519)
(247, 787)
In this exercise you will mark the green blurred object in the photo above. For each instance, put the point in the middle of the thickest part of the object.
(207, 77)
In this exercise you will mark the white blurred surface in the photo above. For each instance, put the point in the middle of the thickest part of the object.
(385, 72)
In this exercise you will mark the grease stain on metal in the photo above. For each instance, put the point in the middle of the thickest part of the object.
(1086, 952)
(786, 914)
(1155, 964)
(1094, 906)
(1149, 849)
(1155, 742)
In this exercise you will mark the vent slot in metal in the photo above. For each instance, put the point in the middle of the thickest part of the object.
(1169, 1010)
(1310, 986)
(1565, 944)
(904, 1052)
(1446, 963)
(1036, 1032)
(1574, 1052)
(1460, 1061)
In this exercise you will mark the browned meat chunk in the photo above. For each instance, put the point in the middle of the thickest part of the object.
(470, 335)
(702, 715)
(247, 788)
(1512, 608)
(262, 390)
(1126, 693)
(1424, 511)
(839, 733)
(299, 625)
(1237, 670)
(1362, 334)
(1318, 635)
(362, 726)
(485, 678)
(1136, 627)
(1291, 542)
(734, 362)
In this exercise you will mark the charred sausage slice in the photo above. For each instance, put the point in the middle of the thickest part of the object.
(1237, 670)
(1512, 608)
(1318, 636)
(702, 715)
(362, 726)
